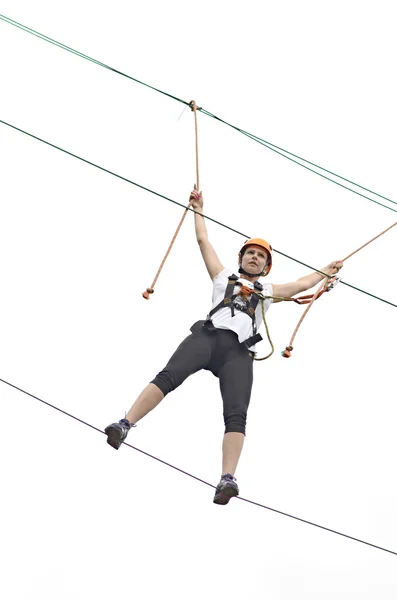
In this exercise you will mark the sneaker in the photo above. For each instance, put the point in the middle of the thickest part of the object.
(226, 489)
(117, 432)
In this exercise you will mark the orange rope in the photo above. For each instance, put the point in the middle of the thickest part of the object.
(287, 352)
(374, 238)
(150, 290)
(246, 291)
(193, 106)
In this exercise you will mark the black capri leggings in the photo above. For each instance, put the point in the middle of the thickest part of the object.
(218, 351)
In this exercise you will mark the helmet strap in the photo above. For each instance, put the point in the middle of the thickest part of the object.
(244, 272)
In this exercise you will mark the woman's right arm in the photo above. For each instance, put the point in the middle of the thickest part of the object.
(211, 260)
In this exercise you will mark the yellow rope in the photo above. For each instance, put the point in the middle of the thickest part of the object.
(262, 299)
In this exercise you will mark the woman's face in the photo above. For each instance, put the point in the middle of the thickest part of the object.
(254, 259)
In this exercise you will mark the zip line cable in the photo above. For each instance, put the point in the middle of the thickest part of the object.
(183, 206)
(45, 38)
(268, 145)
(64, 412)
(314, 165)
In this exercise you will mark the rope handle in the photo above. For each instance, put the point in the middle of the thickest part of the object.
(287, 352)
(322, 288)
(330, 284)
(150, 290)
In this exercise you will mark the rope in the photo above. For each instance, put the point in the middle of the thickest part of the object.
(267, 330)
(245, 292)
(370, 241)
(142, 187)
(322, 287)
(150, 290)
(198, 478)
(301, 300)
(193, 106)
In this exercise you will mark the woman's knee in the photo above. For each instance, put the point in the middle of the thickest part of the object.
(235, 423)
(191, 355)
(165, 381)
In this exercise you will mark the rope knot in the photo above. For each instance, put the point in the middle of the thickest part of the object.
(194, 106)
(287, 352)
(146, 294)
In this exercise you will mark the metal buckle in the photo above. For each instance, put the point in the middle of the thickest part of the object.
(239, 303)
(332, 283)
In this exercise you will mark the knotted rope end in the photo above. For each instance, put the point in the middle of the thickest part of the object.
(147, 293)
(287, 352)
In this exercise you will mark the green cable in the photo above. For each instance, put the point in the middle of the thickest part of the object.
(180, 204)
(45, 38)
(267, 144)
(263, 143)
(249, 135)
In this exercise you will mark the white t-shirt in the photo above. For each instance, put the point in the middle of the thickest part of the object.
(241, 323)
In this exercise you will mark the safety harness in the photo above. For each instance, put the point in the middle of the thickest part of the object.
(239, 302)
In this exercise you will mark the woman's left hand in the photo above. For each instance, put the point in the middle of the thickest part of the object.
(334, 267)
(196, 198)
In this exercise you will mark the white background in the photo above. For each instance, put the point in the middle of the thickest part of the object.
(78, 246)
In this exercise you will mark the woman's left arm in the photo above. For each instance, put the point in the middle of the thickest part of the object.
(306, 282)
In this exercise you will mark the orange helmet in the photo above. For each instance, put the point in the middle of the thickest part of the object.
(263, 244)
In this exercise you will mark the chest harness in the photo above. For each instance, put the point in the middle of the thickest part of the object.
(239, 302)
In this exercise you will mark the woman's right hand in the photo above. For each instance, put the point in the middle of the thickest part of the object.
(196, 198)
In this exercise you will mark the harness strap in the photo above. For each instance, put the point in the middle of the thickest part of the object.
(229, 297)
(245, 291)
(251, 341)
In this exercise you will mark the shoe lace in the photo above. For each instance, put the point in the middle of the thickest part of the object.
(126, 423)
(228, 476)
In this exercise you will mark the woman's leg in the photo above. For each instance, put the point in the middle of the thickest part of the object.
(231, 451)
(147, 400)
(191, 355)
(235, 378)
(232, 446)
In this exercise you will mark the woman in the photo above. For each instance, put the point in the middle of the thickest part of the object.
(223, 344)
